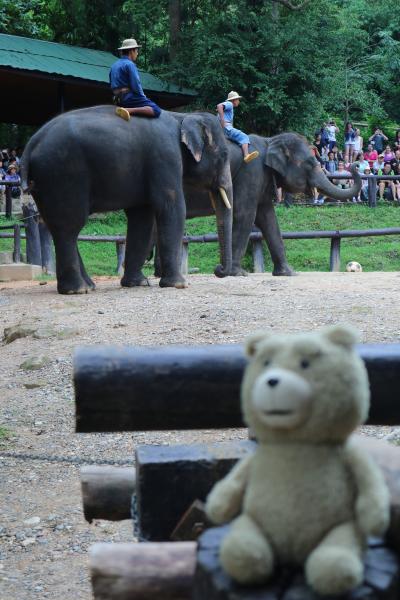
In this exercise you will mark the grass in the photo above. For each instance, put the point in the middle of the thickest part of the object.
(4, 434)
(373, 253)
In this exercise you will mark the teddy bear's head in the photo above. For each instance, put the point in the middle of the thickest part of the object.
(307, 387)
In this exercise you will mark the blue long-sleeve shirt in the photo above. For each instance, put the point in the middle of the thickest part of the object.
(124, 74)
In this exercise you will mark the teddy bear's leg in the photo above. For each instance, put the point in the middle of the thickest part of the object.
(246, 554)
(335, 566)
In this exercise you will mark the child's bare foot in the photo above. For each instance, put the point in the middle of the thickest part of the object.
(123, 113)
(249, 157)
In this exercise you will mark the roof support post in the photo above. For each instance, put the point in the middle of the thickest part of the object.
(61, 97)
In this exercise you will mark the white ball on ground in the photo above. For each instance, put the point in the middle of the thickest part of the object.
(353, 267)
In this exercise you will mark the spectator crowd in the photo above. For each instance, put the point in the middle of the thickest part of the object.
(375, 156)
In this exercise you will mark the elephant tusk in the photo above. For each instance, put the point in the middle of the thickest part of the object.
(225, 198)
(212, 200)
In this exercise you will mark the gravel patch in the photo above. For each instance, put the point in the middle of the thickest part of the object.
(43, 536)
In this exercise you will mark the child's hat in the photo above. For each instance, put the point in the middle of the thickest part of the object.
(233, 96)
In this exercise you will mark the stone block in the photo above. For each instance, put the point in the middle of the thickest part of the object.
(19, 272)
(171, 478)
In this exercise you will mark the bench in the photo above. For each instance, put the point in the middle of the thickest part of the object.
(139, 389)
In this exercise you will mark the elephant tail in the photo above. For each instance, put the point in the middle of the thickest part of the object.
(26, 185)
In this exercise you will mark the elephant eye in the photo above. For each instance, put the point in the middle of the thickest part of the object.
(305, 363)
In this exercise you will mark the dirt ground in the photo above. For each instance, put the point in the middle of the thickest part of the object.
(43, 536)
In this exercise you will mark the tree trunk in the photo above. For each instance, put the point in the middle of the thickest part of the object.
(174, 11)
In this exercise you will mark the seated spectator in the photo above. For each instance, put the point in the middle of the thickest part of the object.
(388, 155)
(5, 157)
(358, 143)
(396, 171)
(396, 143)
(349, 136)
(338, 155)
(364, 194)
(378, 164)
(319, 146)
(362, 163)
(331, 164)
(342, 183)
(12, 175)
(371, 155)
(395, 162)
(14, 157)
(387, 187)
(377, 139)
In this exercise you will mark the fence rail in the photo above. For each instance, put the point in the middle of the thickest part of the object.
(255, 239)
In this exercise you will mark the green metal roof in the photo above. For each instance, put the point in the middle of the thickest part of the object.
(70, 61)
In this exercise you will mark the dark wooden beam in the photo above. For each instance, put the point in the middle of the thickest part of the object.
(193, 387)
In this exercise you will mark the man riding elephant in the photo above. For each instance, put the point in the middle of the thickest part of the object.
(126, 86)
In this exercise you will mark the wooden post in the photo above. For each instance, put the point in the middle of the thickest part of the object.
(46, 248)
(107, 492)
(372, 191)
(258, 256)
(334, 260)
(33, 246)
(120, 248)
(17, 244)
(143, 571)
(8, 202)
(185, 259)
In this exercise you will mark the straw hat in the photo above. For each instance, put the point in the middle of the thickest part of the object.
(233, 96)
(129, 44)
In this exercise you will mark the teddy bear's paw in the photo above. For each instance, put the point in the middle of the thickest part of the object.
(333, 570)
(373, 516)
(223, 503)
(246, 559)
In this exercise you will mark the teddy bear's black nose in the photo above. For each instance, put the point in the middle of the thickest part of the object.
(272, 382)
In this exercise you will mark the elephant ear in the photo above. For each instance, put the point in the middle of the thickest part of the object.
(277, 156)
(193, 136)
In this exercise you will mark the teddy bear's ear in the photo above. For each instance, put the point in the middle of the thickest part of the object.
(342, 335)
(252, 342)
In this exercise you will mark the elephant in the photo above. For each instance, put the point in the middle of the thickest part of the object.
(89, 160)
(285, 161)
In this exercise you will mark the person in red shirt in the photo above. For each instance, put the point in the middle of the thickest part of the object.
(371, 155)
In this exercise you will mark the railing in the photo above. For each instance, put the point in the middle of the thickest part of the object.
(16, 235)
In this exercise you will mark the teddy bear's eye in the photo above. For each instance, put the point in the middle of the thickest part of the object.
(266, 363)
(305, 363)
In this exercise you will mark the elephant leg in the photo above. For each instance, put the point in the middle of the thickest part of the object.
(84, 274)
(335, 566)
(138, 239)
(267, 222)
(242, 225)
(68, 265)
(170, 219)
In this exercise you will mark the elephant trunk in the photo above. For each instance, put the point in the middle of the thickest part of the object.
(324, 185)
(220, 202)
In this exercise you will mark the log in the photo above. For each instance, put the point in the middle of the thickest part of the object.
(381, 577)
(171, 478)
(143, 571)
(107, 492)
(198, 387)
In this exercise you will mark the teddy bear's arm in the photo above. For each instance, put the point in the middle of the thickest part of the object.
(372, 504)
(225, 499)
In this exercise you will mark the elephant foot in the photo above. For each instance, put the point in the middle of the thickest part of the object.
(239, 272)
(177, 282)
(284, 272)
(82, 288)
(140, 281)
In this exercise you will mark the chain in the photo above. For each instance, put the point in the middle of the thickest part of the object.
(67, 459)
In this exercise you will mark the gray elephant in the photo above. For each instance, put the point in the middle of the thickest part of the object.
(88, 161)
(285, 161)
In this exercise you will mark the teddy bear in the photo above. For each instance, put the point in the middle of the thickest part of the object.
(307, 496)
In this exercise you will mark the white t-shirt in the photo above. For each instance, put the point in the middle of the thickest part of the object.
(331, 129)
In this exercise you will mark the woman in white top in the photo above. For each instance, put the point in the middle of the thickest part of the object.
(358, 144)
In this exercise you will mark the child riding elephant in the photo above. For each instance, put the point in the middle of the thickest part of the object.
(225, 112)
